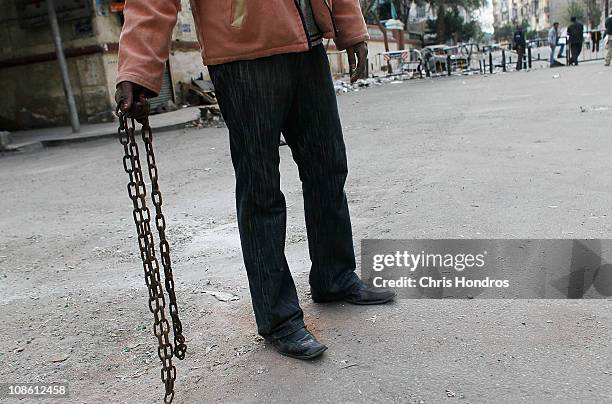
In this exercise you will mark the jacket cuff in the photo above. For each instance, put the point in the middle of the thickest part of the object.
(342, 43)
(153, 88)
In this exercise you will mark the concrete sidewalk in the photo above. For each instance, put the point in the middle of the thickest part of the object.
(59, 135)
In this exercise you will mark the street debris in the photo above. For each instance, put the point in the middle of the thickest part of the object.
(210, 117)
(135, 375)
(61, 357)
(342, 86)
(594, 108)
(199, 92)
(348, 365)
(450, 393)
(222, 296)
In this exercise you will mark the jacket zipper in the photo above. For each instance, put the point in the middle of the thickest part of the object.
(299, 9)
(332, 17)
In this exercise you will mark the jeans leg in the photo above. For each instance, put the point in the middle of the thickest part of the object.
(551, 59)
(578, 50)
(314, 134)
(608, 51)
(254, 97)
(519, 62)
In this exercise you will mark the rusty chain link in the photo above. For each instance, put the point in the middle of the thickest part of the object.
(142, 218)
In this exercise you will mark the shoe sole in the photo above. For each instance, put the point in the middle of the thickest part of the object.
(370, 302)
(304, 357)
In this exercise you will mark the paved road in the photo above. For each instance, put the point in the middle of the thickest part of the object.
(511, 156)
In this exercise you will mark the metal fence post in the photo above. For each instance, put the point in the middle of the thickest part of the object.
(448, 64)
(63, 66)
(490, 62)
(503, 60)
(529, 57)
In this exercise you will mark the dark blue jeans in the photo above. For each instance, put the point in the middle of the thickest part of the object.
(291, 94)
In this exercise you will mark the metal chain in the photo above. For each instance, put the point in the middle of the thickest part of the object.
(142, 218)
(164, 247)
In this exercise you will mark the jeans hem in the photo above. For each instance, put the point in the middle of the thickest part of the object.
(317, 298)
(284, 332)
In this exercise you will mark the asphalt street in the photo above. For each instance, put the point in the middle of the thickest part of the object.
(517, 155)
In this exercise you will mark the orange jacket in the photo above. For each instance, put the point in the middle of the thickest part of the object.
(228, 30)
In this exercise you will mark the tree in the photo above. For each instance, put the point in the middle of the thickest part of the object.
(446, 7)
(448, 23)
(370, 13)
(593, 12)
(402, 7)
(456, 28)
(574, 9)
(507, 31)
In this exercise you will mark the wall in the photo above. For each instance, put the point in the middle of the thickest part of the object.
(33, 94)
(91, 50)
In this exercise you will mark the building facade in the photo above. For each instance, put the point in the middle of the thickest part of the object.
(33, 94)
(538, 14)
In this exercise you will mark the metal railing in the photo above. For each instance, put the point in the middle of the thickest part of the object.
(473, 58)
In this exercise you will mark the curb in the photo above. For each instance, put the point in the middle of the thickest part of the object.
(34, 145)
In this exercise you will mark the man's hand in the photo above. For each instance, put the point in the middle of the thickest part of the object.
(132, 100)
(358, 60)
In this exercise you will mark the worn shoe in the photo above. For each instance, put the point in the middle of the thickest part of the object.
(299, 345)
(362, 294)
(358, 294)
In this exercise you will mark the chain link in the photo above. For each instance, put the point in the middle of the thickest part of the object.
(142, 218)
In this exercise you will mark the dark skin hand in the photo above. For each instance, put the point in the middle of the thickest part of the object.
(358, 59)
(132, 100)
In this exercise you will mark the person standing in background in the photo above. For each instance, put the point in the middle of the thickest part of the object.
(519, 46)
(595, 39)
(553, 38)
(575, 32)
(608, 32)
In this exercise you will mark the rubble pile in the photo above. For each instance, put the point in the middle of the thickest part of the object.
(344, 86)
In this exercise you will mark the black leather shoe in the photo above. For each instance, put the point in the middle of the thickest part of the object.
(362, 294)
(299, 345)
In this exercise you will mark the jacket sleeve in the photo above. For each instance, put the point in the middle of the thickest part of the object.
(349, 22)
(144, 44)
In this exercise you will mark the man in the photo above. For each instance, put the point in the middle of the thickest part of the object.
(271, 75)
(608, 32)
(553, 37)
(575, 32)
(519, 46)
(595, 39)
